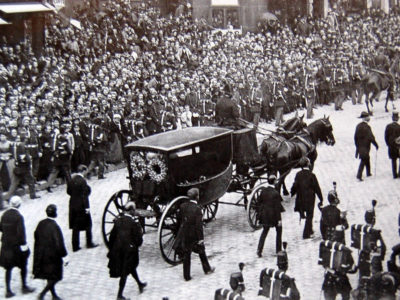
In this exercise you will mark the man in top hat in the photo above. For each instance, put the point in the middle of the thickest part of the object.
(392, 134)
(269, 214)
(363, 138)
(306, 187)
(14, 250)
(190, 237)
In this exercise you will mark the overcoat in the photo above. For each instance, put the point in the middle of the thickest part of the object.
(392, 132)
(363, 138)
(13, 236)
(270, 208)
(49, 251)
(305, 187)
(125, 239)
(79, 192)
(191, 228)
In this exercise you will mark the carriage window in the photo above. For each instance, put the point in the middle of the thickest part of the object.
(203, 161)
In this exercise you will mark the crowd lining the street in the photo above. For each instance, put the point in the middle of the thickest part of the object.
(133, 73)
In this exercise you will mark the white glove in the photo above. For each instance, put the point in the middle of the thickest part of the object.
(24, 248)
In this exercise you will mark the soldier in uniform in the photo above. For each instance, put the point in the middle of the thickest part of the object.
(363, 138)
(392, 135)
(62, 150)
(336, 280)
(23, 167)
(331, 218)
(376, 252)
(306, 187)
(98, 142)
(33, 145)
(256, 100)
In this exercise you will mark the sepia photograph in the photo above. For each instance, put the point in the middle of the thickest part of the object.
(200, 149)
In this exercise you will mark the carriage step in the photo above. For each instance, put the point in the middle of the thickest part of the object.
(144, 213)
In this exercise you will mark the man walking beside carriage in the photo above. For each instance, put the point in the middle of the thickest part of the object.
(306, 186)
(269, 214)
(190, 237)
(125, 239)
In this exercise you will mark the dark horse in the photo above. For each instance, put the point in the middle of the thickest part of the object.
(282, 155)
(377, 81)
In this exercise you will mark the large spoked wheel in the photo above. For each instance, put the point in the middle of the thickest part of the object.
(252, 208)
(112, 210)
(209, 211)
(168, 230)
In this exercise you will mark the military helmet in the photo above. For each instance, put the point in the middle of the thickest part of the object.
(333, 197)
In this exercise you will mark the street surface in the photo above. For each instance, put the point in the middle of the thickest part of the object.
(229, 239)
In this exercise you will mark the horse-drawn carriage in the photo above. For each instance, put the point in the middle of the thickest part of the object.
(163, 167)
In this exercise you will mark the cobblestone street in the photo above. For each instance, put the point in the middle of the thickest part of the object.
(229, 239)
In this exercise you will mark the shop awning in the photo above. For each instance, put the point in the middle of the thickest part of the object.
(224, 3)
(26, 7)
(4, 22)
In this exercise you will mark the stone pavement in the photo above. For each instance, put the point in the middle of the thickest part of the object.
(229, 239)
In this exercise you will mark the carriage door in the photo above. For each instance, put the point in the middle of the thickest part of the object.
(225, 14)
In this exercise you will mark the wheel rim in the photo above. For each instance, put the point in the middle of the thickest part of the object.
(209, 211)
(252, 208)
(112, 210)
(168, 229)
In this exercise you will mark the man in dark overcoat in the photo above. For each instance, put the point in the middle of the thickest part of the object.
(79, 210)
(269, 214)
(14, 250)
(49, 251)
(392, 132)
(305, 187)
(227, 112)
(125, 239)
(363, 138)
(190, 237)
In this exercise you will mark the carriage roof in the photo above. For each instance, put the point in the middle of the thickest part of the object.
(176, 139)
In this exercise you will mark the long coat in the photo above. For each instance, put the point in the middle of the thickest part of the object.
(13, 229)
(363, 138)
(191, 228)
(125, 239)
(49, 250)
(305, 187)
(79, 191)
(270, 208)
(392, 132)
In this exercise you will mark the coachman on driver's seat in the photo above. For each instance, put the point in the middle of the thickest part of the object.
(227, 112)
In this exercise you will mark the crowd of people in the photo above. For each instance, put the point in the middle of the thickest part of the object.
(128, 72)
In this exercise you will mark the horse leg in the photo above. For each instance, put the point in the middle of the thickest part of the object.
(367, 103)
(282, 183)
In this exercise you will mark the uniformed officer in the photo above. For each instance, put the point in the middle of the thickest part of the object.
(331, 217)
(23, 166)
